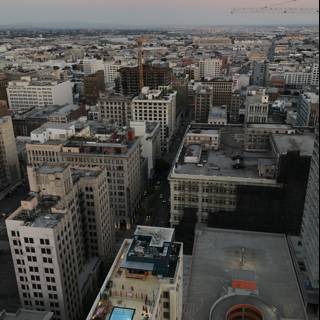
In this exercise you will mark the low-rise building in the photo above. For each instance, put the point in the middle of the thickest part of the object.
(23, 314)
(145, 281)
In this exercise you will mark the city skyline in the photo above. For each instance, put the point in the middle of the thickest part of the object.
(145, 13)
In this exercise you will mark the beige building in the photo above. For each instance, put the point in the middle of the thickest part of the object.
(257, 106)
(145, 281)
(157, 106)
(114, 108)
(57, 237)
(10, 170)
(119, 153)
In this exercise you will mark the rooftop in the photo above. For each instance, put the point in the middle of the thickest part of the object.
(218, 257)
(131, 289)
(37, 212)
(26, 315)
(286, 143)
(223, 162)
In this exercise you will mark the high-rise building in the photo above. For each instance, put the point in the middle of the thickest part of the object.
(111, 72)
(114, 108)
(210, 68)
(94, 84)
(150, 141)
(117, 150)
(234, 108)
(154, 76)
(146, 279)
(315, 75)
(257, 106)
(297, 80)
(260, 75)
(3, 87)
(308, 110)
(58, 237)
(91, 66)
(157, 105)
(27, 93)
(9, 162)
(310, 225)
(202, 104)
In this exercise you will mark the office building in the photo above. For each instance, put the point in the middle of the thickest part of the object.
(25, 123)
(9, 162)
(315, 75)
(111, 72)
(221, 91)
(297, 80)
(308, 110)
(310, 225)
(117, 150)
(202, 104)
(257, 136)
(26, 94)
(150, 141)
(3, 87)
(58, 237)
(157, 106)
(145, 281)
(114, 108)
(234, 108)
(94, 85)
(91, 66)
(248, 275)
(260, 75)
(218, 116)
(257, 106)
(153, 75)
(26, 314)
(210, 68)
(218, 185)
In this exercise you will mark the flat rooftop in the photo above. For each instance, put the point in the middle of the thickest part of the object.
(41, 215)
(221, 162)
(26, 315)
(286, 143)
(219, 254)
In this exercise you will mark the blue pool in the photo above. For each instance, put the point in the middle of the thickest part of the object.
(122, 314)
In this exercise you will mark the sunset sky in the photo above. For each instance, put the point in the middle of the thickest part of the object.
(143, 12)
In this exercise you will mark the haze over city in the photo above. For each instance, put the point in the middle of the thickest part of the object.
(144, 12)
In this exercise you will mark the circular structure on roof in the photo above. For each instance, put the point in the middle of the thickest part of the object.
(244, 311)
(242, 307)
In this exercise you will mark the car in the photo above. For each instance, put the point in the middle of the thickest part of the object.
(164, 201)
(161, 196)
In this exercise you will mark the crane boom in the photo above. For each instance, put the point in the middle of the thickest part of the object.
(140, 41)
(274, 10)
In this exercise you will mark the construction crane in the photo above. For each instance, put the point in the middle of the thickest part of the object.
(140, 41)
(276, 8)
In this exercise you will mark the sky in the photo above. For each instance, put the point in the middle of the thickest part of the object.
(144, 12)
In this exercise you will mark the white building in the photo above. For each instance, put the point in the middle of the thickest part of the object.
(297, 79)
(27, 93)
(315, 75)
(91, 66)
(53, 131)
(218, 116)
(160, 106)
(145, 280)
(150, 141)
(208, 139)
(210, 68)
(257, 106)
(111, 72)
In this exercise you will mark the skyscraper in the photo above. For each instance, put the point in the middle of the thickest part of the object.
(9, 163)
(310, 225)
